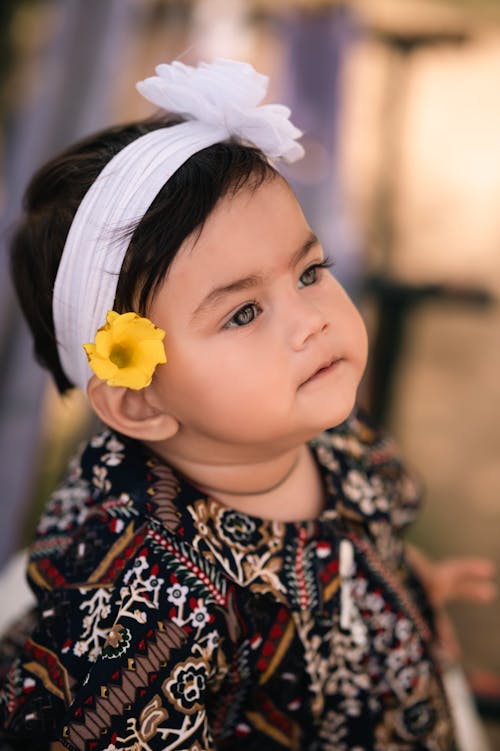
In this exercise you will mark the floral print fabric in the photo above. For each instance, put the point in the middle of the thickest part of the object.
(166, 620)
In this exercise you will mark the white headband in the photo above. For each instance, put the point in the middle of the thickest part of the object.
(218, 100)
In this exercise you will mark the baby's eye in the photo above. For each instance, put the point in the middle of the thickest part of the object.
(312, 274)
(244, 315)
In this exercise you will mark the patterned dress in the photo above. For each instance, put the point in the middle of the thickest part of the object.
(166, 620)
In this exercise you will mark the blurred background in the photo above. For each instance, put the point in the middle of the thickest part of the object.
(399, 101)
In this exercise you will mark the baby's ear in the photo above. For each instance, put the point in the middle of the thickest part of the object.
(130, 412)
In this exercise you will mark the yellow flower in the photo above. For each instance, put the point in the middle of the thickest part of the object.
(127, 350)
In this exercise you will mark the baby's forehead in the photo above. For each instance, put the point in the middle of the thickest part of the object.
(248, 239)
(269, 211)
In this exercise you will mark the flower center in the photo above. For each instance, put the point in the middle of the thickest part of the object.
(120, 356)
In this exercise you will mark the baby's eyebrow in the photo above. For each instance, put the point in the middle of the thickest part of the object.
(251, 281)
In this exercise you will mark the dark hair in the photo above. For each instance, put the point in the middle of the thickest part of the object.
(180, 208)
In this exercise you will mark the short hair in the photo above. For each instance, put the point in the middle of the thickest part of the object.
(180, 209)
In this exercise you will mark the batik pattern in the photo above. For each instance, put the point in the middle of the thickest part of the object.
(166, 620)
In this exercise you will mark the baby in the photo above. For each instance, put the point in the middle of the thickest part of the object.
(222, 567)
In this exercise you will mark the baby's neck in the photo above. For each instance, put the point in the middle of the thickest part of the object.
(286, 488)
(299, 496)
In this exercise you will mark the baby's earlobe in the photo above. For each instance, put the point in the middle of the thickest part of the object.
(130, 412)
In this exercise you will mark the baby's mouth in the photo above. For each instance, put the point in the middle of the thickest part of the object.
(324, 369)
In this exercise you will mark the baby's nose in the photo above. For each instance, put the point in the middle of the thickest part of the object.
(307, 322)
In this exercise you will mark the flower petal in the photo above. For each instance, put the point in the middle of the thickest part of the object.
(102, 367)
(132, 378)
(153, 351)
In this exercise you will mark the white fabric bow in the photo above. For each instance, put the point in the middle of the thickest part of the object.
(227, 94)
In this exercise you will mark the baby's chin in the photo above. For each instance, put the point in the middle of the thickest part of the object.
(329, 421)
(333, 417)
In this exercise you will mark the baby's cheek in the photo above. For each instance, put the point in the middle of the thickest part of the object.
(356, 331)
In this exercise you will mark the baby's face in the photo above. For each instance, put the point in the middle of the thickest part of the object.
(264, 347)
